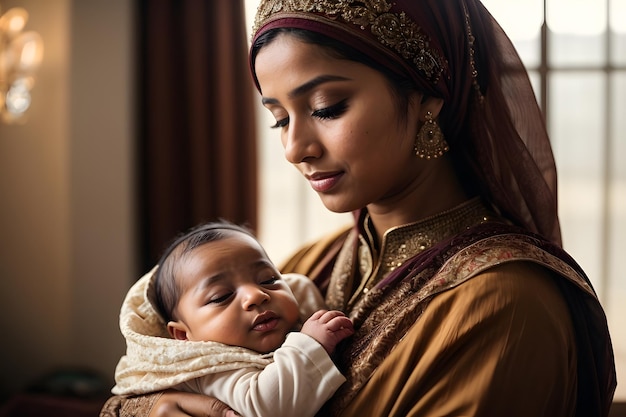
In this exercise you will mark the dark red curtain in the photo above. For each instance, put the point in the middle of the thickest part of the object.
(197, 154)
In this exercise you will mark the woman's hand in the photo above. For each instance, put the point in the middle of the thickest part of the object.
(180, 404)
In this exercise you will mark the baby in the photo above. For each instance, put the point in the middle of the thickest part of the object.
(231, 318)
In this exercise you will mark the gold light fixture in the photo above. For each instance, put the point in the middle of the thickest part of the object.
(20, 56)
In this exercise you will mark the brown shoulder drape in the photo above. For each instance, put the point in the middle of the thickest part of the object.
(197, 156)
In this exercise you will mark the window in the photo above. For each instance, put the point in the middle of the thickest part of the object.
(575, 52)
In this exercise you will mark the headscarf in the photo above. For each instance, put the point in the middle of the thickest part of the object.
(455, 50)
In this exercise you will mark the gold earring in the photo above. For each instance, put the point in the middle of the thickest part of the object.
(429, 142)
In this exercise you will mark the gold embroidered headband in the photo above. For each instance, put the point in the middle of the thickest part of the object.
(393, 30)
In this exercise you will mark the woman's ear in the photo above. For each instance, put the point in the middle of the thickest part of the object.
(178, 330)
(432, 105)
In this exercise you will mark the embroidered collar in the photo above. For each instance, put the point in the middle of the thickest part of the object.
(403, 242)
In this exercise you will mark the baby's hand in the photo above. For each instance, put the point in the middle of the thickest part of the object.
(328, 328)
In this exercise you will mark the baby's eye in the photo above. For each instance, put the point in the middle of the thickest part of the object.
(270, 281)
(219, 298)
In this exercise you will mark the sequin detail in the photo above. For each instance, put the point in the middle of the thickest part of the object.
(404, 242)
(393, 30)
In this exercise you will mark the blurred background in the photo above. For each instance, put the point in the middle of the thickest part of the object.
(141, 121)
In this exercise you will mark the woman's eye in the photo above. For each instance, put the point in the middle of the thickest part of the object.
(218, 299)
(332, 112)
(327, 113)
(280, 123)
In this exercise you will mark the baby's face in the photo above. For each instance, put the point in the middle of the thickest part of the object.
(233, 294)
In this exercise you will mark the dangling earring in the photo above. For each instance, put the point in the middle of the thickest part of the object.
(429, 142)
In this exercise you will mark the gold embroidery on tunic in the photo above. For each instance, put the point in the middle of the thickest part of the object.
(379, 331)
(404, 242)
(121, 406)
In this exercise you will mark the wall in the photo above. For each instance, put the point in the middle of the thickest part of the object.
(66, 196)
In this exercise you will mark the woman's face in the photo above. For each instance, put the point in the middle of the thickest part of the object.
(340, 125)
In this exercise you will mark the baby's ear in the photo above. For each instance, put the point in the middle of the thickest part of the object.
(177, 330)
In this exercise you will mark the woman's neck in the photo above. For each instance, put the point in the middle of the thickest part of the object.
(438, 189)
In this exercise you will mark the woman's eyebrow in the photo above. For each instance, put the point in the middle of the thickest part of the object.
(306, 87)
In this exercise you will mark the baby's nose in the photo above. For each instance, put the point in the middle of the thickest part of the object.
(254, 296)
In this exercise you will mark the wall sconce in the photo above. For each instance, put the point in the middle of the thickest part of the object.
(20, 56)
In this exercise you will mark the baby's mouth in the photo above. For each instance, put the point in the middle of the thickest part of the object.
(265, 321)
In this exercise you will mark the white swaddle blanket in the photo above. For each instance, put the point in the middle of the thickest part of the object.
(154, 361)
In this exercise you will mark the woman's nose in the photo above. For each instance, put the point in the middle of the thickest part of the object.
(300, 142)
(253, 296)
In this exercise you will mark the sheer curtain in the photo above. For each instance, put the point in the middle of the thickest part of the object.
(197, 147)
(576, 56)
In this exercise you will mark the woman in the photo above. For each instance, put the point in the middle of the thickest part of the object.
(418, 117)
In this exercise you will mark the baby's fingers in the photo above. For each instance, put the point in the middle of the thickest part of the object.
(327, 316)
(340, 323)
(318, 314)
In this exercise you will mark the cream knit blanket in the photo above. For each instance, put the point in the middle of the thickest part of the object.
(154, 361)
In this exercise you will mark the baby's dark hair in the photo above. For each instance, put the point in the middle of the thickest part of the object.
(166, 287)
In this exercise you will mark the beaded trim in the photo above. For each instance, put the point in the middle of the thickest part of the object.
(472, 52)
(404, 242)
(399, 244)
(393, 30)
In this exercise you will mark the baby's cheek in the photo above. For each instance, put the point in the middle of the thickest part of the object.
(292, 312)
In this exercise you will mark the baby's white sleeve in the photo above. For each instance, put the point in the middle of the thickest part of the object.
(299, 381)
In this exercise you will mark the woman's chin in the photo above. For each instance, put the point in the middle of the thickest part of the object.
(336, 205)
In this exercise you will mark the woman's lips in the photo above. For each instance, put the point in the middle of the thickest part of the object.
(324, 182)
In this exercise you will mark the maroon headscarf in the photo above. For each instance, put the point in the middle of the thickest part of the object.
(455, 50)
